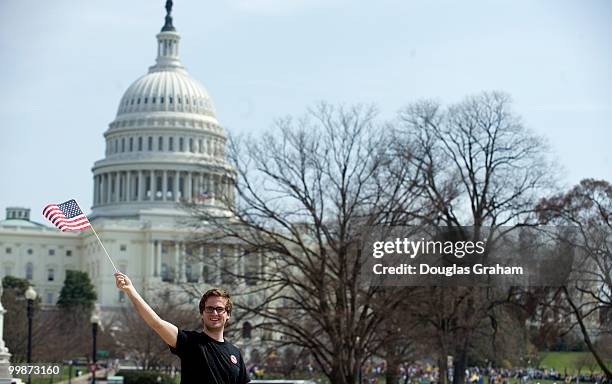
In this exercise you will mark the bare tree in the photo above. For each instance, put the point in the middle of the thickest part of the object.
(63, 334)
(305, 194)
(477, 165)
(586, 210)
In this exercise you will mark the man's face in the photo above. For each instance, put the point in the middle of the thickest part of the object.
(213, 320)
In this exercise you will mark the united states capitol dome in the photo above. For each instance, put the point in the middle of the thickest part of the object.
(167, 87)
(165, 146)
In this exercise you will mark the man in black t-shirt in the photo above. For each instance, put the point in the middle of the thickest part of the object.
(206, 357)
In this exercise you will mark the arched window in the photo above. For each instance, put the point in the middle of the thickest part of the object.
(247, 329)
(170, 183)
(50, 274)
(206, 274)
(164, 272)
(188, 273)
(29, 271)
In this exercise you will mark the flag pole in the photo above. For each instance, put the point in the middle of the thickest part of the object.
(100, 241)
(104, 248)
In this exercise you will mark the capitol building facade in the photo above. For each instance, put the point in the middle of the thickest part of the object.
(165, 150)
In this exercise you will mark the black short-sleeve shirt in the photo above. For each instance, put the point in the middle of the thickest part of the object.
(208, 361)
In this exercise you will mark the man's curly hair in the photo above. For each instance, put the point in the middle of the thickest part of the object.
(218, 292)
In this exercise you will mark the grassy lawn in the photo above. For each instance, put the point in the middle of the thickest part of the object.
(572, 361)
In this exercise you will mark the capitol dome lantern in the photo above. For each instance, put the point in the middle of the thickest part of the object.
(165, 146)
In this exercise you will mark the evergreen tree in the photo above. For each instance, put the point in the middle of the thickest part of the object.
(19, 285)
(77, 291)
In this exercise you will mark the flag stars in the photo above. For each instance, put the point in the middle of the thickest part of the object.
(70, 209)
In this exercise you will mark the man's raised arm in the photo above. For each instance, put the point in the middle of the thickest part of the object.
(167, 331)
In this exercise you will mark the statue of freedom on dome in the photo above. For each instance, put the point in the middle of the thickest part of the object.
(168, 24)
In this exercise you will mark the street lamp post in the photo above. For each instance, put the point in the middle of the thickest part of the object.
(358, 346)
(70, 371)
(30, 295)
(95, 320)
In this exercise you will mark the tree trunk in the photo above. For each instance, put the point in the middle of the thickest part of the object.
(587, 339)
(443, 366)
(460, 364)
(337, 377)
(392, 375)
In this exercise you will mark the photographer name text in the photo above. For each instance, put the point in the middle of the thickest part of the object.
(452, 270)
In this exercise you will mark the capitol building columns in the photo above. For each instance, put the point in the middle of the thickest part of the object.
(107, 197)
(163, 185)
(173, 261)
(128, 186)
(154, 253)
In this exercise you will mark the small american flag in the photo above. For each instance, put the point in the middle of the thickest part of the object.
(66, 216)
(204, 196)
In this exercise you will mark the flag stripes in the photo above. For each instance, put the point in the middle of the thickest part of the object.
(66, 216)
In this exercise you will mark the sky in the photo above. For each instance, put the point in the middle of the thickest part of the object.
(65, 65)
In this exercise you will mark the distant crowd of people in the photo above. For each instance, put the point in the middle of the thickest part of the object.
(416, 374)
(533, 375)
